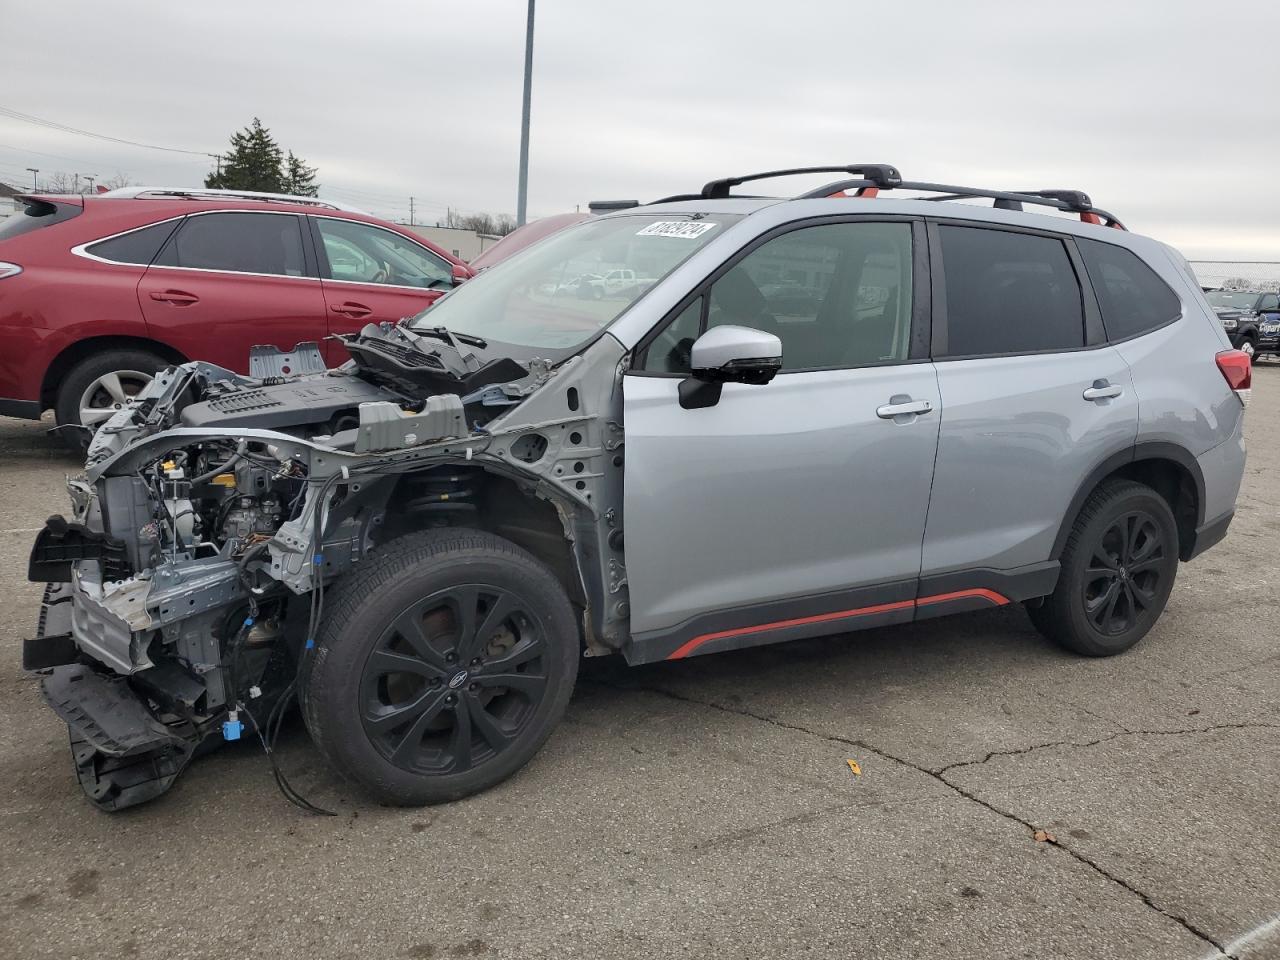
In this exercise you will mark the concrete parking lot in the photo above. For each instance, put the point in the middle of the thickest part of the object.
(705, 808)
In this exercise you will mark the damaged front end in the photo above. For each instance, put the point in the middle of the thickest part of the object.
(182, 589)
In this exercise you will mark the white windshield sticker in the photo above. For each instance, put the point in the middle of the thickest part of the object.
(680, 229)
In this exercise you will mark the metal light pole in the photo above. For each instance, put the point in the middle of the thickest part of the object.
(33, 171)
(522, 193)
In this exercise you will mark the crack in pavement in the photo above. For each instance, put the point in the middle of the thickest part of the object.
(1076, 855)
(1255, 725)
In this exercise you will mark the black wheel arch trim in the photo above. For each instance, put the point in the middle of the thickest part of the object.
(1139, 452)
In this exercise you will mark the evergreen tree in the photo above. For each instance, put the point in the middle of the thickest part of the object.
(298, 178)
(256, 162)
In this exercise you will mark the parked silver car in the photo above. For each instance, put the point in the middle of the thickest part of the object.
(829, 412)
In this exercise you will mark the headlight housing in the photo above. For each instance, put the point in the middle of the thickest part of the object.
(1228, 323)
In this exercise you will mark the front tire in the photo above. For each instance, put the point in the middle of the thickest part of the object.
(442, 666)
(96, 387)
(1118, 569)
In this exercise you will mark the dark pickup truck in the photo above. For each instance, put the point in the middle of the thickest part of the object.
(1251, 318)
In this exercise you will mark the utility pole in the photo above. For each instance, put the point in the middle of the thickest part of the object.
(33, 171)
(411, 211)
(91, 179)
(76, 187)
(522, 192)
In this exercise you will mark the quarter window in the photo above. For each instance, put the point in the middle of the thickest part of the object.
(1133, 300)
(1008, 293)
(137, 246)
(365, 254)
(269, 243)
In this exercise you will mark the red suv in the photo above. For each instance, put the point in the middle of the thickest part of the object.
(99, 292)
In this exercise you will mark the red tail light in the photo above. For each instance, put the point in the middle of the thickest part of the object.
(1238, 371)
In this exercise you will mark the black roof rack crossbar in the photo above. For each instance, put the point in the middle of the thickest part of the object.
(879, 174)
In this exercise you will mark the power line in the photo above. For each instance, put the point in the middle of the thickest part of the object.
(65, 128)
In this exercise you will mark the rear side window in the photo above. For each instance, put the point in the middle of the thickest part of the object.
(268, 243)
(1008, 293)
(1132, 298)
(36, 214)
(136, 246)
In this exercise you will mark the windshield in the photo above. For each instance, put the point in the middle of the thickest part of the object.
(562, 291)
(1235, 301)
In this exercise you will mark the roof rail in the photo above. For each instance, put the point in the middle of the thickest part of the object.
(870, 178)
(211, 193)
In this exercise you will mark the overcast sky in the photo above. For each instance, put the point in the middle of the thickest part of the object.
(1167, 112)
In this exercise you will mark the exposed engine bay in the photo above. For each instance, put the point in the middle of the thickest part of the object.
(186, 586)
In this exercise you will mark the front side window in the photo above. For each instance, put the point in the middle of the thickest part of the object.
(1132, 298)
(1270, 302)
(1008, 292)
(837, 295)
(268, 243)
(558, 293)
(366, 254)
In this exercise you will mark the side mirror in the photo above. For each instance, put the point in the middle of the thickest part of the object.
(728, 354)
(461, 273)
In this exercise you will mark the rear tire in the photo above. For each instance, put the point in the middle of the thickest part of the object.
(1118, 569)
(101, 383)
(443, 665)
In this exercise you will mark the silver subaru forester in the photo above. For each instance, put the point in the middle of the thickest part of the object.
(680, 428)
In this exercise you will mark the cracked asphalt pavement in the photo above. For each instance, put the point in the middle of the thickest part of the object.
(706, 807)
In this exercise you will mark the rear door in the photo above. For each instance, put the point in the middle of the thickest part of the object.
(795, 507)
(372, 274)
(1033, 401)
(230, 280)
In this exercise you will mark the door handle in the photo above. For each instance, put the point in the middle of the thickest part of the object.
(351, 309)
(177, 297)
(1103, 390)
(902, 406)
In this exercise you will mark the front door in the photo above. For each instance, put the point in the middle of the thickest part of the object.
(797, 507)
(228, 281)
(372, 275)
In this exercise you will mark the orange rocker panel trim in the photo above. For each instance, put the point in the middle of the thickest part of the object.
(687, 648)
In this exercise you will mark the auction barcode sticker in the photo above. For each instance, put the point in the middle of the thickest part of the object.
(680, 229)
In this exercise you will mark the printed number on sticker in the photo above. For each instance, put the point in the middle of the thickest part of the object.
(680, 229)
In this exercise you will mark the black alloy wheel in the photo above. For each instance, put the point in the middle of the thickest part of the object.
(1122, 579)
(454, 680)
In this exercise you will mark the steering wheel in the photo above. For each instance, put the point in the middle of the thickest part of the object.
(383, 275)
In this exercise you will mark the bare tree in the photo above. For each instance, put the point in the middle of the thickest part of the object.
(485, 223)
(59, 182)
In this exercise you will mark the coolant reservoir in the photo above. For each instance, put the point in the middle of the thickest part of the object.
(177, 500)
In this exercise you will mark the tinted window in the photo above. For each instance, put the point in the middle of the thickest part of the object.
(243, 242)
(1009, 293)
(837, 295)
(1132, 298)
(669, 352)
(368, 254)
(1270, 302)
(137, 246)
(36, 214)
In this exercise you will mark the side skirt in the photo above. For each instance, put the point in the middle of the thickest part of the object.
(843, 612)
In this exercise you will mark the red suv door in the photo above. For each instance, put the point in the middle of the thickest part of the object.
(371, 274)
(229, 280)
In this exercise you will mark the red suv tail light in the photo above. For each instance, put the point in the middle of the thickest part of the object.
(1238, 371)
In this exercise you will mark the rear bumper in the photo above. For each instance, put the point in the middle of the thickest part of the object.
(23, 409)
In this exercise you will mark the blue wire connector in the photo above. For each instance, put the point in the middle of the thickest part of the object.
(232, 727)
